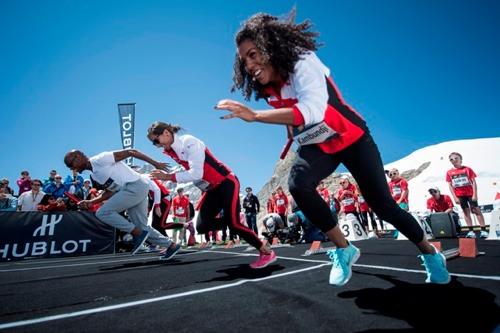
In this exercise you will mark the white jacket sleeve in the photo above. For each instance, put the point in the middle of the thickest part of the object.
(156, 192)
(309, 83)
(194, 150)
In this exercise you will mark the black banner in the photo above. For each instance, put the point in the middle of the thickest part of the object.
(127, 121)
(56, 234)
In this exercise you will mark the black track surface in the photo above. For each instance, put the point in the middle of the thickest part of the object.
(375, 300)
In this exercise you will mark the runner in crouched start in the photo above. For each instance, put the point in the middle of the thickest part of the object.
(220, 186)
(275, 60)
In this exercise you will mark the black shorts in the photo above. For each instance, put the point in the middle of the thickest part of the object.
(467, 202)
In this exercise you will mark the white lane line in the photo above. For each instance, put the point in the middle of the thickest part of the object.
(91, 263)
(388, 268)
(149, 300)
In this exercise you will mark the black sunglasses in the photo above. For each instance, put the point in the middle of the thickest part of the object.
(432, 192)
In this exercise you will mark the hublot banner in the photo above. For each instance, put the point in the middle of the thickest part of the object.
(40, 234)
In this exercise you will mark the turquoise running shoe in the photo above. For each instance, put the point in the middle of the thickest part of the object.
(342, 260)
(435, 265)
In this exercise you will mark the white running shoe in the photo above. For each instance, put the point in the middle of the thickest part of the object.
(471, 234)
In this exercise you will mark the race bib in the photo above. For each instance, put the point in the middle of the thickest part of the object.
(396, 190)
(280, 202)
(179, 211)
(203, 185)
(348, 201)
(313, 134)
(460, 181)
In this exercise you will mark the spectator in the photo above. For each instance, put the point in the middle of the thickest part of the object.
(24, 182)
(323, 191)
(270, 203)
(463, 187)
(74, 182)
(50, 204)
(56, 188)
(399, 189)
(85, 192)
(8, 203)
(441, 203)
(281, 204)
(347, 197)
(29, 201)
(51, 179)
(365, 211)
(180, 206)
(8, 189)
(252, 207)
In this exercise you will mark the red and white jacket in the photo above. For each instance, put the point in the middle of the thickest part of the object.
(201, 167)
(312, 94)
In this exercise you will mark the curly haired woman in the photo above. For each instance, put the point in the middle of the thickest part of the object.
(275, 60)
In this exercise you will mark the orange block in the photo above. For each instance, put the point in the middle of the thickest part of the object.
(467, 247)
(229, 245)
(315, 245)
(276, 241)
(437, 245)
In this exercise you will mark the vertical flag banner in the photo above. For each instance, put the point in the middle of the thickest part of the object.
(126, 113)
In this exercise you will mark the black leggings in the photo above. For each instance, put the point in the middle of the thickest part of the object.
(226, 197)
(364, 219)
(363, 160)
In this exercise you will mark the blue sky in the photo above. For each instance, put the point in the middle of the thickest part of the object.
(420, 72)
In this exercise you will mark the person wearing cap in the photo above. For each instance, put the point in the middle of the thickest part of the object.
(85, 192)
(442, 203)
(439, 203)
(252, 207)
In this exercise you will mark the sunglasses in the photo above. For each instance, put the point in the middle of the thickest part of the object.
(36, 184)
(393, 174)
(432, 192)
(57, 178)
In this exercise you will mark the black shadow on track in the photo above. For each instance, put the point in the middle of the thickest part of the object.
(429, 307)
(243, 271)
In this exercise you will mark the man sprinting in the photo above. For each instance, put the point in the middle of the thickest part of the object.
(124, 190)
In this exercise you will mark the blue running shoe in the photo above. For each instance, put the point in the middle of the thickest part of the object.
(435, 265)
(171, 251)
(139, 240)
(342, 260)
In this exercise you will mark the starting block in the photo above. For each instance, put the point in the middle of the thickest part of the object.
(467, 248)
(317, 249)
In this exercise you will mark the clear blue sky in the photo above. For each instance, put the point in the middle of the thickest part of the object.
(420, 71)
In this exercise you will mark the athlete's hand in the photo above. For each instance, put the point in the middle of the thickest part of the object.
(474, 197)
(84, 204)
(457, 201)
(158, 211)
(237, 109)
(162, 166)
(161, 175)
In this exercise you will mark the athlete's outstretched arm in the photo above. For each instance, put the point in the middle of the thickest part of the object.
(120, 155)
(284, 116)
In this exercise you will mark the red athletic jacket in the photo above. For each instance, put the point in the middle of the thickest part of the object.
(201, 167)
(315, 99)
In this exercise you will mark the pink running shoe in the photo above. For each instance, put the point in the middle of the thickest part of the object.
(264, 260)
